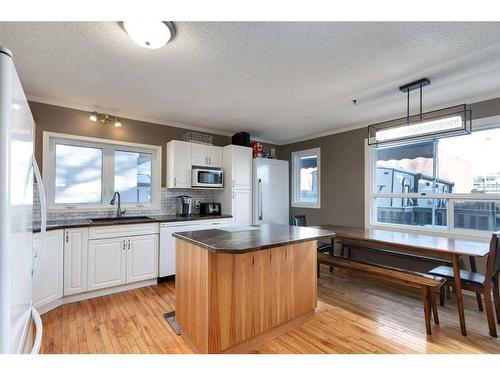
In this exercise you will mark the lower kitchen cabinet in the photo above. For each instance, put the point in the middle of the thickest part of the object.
(107, 263)
(142, 258)
(76, 244)
(48, 280)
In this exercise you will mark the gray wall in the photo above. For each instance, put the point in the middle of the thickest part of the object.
(71, 121)
(343, 168)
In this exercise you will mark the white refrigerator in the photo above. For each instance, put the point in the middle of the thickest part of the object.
(17, 258)
(270, 191)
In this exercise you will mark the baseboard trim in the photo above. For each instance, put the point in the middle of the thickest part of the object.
(95, 293)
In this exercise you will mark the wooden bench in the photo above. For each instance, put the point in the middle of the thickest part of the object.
(426, 283)
(346, 247)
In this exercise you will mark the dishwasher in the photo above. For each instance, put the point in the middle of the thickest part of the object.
(167, 242)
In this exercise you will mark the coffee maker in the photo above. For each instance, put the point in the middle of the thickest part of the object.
(184, 205)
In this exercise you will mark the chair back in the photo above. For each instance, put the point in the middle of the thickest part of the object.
(493, 263)
(300, 220)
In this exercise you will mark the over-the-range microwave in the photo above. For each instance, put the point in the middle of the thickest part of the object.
(207, 178)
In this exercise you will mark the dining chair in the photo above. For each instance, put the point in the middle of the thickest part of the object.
(479, 283)
(322, 247)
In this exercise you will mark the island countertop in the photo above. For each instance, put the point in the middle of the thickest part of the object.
(264, 236)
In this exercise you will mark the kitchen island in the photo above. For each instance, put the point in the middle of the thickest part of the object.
(237, 288)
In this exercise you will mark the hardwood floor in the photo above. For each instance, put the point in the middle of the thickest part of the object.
(354, 315)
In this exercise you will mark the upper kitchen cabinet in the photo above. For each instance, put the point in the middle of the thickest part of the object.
(206, 155)
(179, 164)
(237, 162)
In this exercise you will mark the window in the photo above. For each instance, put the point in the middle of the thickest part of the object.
(306, 178)
(81, 172)
(451, 184)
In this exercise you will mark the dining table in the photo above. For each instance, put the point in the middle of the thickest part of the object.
(436, 246)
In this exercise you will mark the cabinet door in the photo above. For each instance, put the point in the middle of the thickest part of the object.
(142, 258)
(215, 156)
(178, 164)
(107, 259)
(48, 280)
(199, 154)
(242, 207)
(242, 167)
(76, 242)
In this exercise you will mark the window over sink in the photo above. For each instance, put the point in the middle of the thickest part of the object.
(83, 172)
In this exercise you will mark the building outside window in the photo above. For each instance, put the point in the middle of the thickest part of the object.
(306, 178)
(450, 184)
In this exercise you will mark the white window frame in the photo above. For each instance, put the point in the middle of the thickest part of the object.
(370, 196)
(296, 178)
(50, 139)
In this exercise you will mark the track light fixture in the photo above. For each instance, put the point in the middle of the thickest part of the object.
(105, 119)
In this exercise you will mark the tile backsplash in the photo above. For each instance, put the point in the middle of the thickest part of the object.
(168, 205)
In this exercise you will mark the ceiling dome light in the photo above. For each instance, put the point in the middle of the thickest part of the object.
(93, 117)
(118, 124)
(152, 34)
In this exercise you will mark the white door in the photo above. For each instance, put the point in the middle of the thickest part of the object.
(215, 156)
(242, 207)
(142, 258)
(48, 281)
(179, 164)
(242, 168)
(107, 259)
(199, 154)
(76, 244)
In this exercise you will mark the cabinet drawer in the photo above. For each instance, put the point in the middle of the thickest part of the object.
(110, 231)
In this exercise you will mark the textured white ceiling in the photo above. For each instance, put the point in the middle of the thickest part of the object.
(280, 81)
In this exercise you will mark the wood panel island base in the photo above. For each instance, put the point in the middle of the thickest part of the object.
(235, 291)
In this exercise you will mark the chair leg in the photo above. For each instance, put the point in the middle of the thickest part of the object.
(349, 252)
(496, 295)
(442, 294)
(318, 270)
(479, 302)
(427, 309)
(432, 297)
(488, 305)
(448, 290)
(342, 251)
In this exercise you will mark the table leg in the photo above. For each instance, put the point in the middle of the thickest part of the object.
(332, 251)
(458, 293)
(473, 268)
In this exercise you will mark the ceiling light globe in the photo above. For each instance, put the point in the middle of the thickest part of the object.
(93, 117)
(152, 34)
(118, 124)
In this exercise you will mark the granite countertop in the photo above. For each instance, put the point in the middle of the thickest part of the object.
(77, 223)
(264, 237)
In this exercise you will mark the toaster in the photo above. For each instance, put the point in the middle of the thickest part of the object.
(210, 209)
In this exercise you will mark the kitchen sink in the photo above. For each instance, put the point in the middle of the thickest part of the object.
(122, 219)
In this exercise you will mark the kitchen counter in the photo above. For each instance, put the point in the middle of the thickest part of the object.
(78, 223)
(242, 241)
(237, 289)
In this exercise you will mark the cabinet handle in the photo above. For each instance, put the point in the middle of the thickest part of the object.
(123, 245)
(233, 182)
(67, 237)
(175, 181)
(128, 244)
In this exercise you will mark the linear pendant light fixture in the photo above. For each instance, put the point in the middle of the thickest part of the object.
(426, 126)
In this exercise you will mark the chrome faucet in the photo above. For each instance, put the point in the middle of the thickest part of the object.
(119, 211)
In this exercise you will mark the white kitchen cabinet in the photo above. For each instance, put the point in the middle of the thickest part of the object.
(206, 155)
(179, 164)
(48, 280)
(76, 243)
(242, 207)
(107, 263)
(142, 258)
(237, 161)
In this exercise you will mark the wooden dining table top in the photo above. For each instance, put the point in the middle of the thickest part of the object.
(414, 242)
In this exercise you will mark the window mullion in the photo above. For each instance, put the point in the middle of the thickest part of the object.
(108, 175)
